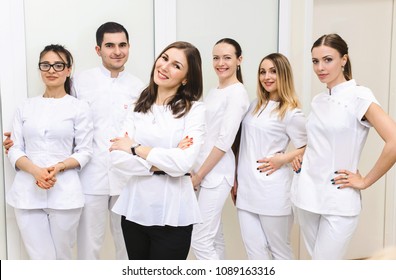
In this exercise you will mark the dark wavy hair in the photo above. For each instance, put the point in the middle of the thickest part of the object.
(186, 94)
(58, 49)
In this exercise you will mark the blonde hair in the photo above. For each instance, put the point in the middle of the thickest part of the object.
(288, 99)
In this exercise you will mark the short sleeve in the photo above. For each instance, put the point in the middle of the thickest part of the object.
(364, 99)
(296, 129)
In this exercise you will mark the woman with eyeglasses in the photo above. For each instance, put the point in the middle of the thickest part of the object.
(52, 141)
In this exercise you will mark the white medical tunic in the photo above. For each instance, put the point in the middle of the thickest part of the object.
(265, 134)
(225, 109)
(47, 131)
(109, 100)
(336, 136)
(149, 199)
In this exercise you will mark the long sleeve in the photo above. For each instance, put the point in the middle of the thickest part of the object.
(125, 164)
(174, 161)
(237, 105)
(18, 149)
(83, 129)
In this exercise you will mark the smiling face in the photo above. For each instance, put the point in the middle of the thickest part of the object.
(52, 78)
(225, 62)
(268, 78)
(328, 65)
(171, 70)
(114, 52)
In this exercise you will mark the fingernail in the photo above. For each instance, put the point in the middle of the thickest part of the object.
(266, 174)
(336, 172)
(257, 162)
(258, 168)
(338, 188)
(332, 180)
(333, 183)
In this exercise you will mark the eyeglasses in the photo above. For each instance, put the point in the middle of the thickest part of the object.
(58, 67)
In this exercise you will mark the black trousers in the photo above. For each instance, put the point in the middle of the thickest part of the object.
(156, 242)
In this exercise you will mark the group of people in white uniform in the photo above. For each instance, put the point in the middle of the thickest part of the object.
(161, 159)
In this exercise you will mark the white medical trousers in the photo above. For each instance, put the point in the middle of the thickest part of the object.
(48, 234)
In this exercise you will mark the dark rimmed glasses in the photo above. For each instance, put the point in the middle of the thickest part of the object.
(58, 66)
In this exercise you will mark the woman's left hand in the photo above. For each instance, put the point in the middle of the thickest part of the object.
(348, 179)
(271, 164)
(122, 143)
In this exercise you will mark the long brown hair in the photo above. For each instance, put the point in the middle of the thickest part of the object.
(181, 102)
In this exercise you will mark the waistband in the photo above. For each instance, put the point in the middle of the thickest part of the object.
(163, 173)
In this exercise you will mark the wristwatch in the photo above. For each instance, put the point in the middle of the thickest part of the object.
(133, 148)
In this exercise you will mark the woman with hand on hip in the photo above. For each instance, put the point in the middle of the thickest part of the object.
(327, 193)
(264, 177)
(225, 107)
(52, 141)
(153, 161)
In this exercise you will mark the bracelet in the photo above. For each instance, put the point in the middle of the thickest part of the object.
(62, 169)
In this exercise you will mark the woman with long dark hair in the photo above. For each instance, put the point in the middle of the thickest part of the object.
(158, 204)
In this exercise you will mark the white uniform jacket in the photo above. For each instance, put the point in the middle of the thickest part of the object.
(109, 100)
(225, 109)
(149, 199)
(265, 134)
(47, 131)
(336, 136)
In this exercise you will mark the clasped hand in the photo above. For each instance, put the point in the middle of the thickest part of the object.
(45, 177)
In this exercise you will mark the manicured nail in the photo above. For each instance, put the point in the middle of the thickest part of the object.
(332, 180)
(333, 183)
(336, 172)
(338, 188)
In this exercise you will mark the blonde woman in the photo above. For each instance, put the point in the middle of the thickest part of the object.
(264, 176)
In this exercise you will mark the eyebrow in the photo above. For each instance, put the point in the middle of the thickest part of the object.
(56, 61)
(111, 43)
(177, 62)
(271, 68)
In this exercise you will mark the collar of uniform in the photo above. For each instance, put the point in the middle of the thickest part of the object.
(340, 87)
(107, 73)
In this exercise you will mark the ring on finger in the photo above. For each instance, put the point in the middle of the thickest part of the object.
(346, 176)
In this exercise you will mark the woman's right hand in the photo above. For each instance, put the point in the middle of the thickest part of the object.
(296, 163)
(7, 143)
(234, 191)
(185, 143)
(45, 178)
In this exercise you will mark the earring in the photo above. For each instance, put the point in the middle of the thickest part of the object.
(342, 68)
(238, 67)
(184, 83)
